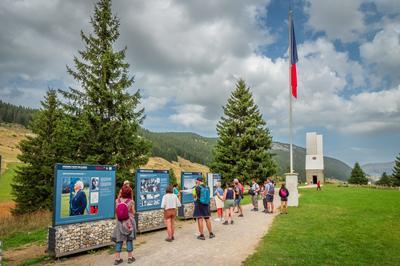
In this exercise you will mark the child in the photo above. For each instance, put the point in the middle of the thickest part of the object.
(284, 194)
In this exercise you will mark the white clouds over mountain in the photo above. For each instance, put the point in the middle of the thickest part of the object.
(187, 56)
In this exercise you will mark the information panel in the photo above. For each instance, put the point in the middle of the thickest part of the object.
(212, 179)
(188, 182)
(83, 193)
(150, 188)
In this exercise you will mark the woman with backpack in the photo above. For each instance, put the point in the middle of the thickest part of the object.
(284, 194)
(169, 203)
(125, 228)
(229, 203)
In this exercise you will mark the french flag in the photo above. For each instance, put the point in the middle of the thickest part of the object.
(293, 61)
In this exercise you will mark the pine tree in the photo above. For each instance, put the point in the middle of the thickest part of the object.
(385, 180)
(396, 172)
(244, 142)
(358, 175)
(32, 185)
(172, 177)
(104, 115)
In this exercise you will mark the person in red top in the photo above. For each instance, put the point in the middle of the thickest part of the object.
(318, 185)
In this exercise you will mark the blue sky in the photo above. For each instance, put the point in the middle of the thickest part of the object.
(186, 56)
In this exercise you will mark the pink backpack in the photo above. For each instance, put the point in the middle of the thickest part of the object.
(123, 210)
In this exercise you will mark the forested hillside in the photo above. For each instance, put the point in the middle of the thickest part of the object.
(190, 146)
(10, 113)
(199, 149)
(196, 148)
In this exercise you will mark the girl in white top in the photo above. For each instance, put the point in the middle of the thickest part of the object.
(169, 203)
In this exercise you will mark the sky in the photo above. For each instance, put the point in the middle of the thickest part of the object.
(187, 55)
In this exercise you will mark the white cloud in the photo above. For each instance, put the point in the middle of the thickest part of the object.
(191, 115)
(191, 53)
(152, 103)
(384, 52)
(388, 6)
(341, 19)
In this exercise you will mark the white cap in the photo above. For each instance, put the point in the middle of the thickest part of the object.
(236, 180)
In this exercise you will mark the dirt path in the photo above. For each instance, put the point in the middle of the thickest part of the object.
(232, 245)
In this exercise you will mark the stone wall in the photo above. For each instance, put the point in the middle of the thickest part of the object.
(186, 211)
(72, 238)
(150, 220)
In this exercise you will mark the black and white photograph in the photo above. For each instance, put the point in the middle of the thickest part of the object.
(150, 185)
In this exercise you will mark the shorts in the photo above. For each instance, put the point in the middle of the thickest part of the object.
(201, 210)
(170, 214)
(270, 198)
(229, 203)
(237, 201)
(284, 199)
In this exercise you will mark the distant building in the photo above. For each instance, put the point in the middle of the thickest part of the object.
(314, 158)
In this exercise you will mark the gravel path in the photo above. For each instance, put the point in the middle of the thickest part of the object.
(232, 244)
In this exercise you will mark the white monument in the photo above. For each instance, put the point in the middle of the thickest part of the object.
(314, 158)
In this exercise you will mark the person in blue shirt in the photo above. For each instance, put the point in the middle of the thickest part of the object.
(219, 202)
(79, 201)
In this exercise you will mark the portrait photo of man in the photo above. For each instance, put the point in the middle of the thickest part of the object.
(79, 201)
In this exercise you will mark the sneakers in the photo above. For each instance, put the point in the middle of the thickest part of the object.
(168, 239)
(212, 235)
(231, 222)
(225, 223)
(117, 262)
(240, 215)
(201, 237)
(131, 260)
(217, 219)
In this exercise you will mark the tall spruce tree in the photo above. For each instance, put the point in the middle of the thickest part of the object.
(244, 142)
(385, 180)
(172, 177)
(358, 175)
(32, 185)
(396, 172)
(104, 114)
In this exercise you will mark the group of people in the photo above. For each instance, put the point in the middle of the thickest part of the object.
(267, 193)
(228, 202)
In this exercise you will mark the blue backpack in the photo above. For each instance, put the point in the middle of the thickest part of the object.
(204, 195)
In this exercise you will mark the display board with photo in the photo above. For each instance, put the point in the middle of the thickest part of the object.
(83, 193)
(212, 179)
(188, 183)
(150, 188)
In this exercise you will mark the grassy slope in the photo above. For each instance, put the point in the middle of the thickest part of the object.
(338, 226)
(5, 182)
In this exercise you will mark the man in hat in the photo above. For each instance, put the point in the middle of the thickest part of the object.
(201, 208)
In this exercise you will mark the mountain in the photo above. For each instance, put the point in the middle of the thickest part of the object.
(196, 148)
(377, 169)
(171, 145)
(193, 147)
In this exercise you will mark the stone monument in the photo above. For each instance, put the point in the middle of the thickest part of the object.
(291, 185)
(314, 158)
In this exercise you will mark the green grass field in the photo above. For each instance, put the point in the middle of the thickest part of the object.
(338, 226)
(5, 182)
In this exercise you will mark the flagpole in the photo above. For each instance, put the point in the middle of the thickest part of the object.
(290, 96)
